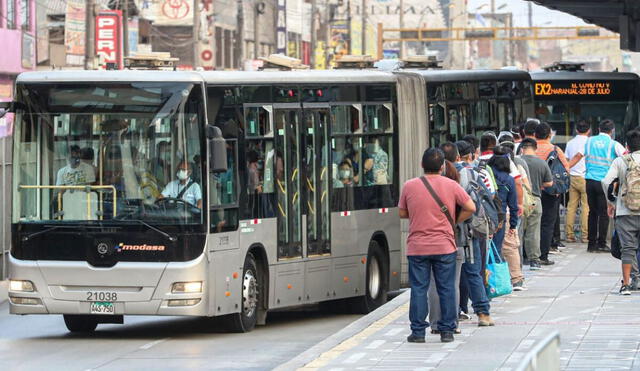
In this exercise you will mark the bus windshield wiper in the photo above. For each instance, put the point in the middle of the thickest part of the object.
(165, 234)
(46, 230)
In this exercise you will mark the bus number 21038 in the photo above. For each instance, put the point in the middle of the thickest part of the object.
(102, 296)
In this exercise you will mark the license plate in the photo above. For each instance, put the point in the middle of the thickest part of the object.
(102, 307)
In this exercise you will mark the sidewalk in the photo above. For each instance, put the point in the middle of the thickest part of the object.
(578, 296)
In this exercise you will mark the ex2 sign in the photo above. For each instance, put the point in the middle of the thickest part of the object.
(109, 38)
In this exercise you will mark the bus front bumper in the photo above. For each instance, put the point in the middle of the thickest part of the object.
(128, 288)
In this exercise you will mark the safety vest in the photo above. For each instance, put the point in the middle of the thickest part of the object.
(599, 155)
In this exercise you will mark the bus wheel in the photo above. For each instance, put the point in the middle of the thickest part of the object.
(377, 282)
(246, 320)
(80, 323)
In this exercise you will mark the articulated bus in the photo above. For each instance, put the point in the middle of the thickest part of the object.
(566, 94)
(226, 193)
(209, 193)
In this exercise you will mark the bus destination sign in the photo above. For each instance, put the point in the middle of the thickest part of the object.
(573, 88)
(593, 90)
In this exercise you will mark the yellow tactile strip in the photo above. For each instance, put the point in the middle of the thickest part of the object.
(352, 342)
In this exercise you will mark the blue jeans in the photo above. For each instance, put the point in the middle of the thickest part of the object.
(444, 271)
(498, 238)
(472, 275)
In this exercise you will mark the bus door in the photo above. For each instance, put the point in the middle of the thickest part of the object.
(315, 183)
(287, 167)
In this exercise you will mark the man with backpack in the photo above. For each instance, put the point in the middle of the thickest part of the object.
(550, 196)
(627, 206)
(539, 178)
(472, 273)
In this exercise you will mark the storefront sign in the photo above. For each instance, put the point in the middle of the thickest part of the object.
(74, 31)
(109, 38)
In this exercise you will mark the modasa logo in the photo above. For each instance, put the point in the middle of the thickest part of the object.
(122, 247)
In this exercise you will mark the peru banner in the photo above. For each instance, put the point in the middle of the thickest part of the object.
(109, 38)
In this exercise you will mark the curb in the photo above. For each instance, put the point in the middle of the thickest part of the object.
(346, 333)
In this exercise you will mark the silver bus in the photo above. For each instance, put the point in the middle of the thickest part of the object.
(209, 193)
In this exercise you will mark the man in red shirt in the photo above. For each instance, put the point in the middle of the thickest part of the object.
(431, 243)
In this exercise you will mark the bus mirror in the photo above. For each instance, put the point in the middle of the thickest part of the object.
(5, 107)
(217, 150)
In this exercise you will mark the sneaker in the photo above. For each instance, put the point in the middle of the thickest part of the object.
(546, 262)
(572, 240)
(446, 337)
(484, 320)
(603, 249)
(625, 290)
(456, 331)
(415, 339)
(519, 286)
(534, 265)
(554, 250)
(463, 316)
(560, 244)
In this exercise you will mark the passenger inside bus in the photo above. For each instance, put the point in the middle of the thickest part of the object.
(376, 164)
(345, 174)
(76, 172)
(183, 188)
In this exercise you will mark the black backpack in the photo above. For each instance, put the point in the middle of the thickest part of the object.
(561, 180)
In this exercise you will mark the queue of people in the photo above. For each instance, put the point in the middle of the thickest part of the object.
(516, 180)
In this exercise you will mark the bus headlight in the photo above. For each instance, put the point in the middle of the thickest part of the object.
(182, 302)
(186, 287)
(18, 285)
(25, 301)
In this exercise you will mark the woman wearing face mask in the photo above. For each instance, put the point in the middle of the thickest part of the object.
(376, 164)
(345, 174)
(184, 187)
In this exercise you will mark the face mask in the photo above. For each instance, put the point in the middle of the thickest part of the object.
(74, 161)
(183, 174)
(345, 174)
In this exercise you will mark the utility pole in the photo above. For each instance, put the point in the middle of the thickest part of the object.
(314, 34)
(239, 44)
(530, 13)
(493, 6)
(363, 43)
(90, 28)
(401, 27)
(125, 28)
(196, 32)
(349, 25)
(256, 35)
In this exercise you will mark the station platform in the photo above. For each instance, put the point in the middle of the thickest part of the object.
(578, 296)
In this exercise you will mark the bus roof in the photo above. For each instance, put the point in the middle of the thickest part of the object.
(108, 76)
(210, 77)
(305, 77)
(471, 75)
(582, 75)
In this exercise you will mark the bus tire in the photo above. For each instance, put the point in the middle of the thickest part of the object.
(376, 281)
(80, 323)
(246, 320)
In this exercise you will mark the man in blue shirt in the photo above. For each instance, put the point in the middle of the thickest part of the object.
(183, 187)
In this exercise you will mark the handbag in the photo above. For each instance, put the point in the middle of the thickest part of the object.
(498, 276)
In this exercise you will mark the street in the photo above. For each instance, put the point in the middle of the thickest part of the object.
(42, 342)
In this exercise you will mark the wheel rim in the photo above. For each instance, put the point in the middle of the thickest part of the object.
(249, 293)
(374, 277)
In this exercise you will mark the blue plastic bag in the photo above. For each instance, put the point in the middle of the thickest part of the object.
(498, 276)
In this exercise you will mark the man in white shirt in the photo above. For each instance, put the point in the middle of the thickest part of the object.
(76, 172)
(578, 190)
(184, 188)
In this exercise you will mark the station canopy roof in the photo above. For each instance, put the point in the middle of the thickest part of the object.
(621, 16)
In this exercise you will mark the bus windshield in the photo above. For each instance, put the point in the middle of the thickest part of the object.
(108, 152)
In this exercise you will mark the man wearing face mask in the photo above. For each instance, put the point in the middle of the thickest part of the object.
(76, 172)
(184, 187)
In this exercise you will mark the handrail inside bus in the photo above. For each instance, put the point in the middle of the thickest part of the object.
(86, 188)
